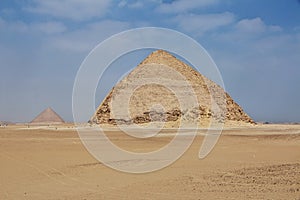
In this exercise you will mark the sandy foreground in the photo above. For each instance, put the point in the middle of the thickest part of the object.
(261, 162)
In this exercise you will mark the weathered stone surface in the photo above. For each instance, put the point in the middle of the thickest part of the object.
(140, 94)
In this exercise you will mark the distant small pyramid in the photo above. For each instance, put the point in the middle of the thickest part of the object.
(143, 98)
(47, 116)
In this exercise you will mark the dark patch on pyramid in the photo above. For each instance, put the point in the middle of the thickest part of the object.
(47, 116)
(144, 96)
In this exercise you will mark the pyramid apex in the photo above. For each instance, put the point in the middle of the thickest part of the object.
(160, 57)
(160, 52)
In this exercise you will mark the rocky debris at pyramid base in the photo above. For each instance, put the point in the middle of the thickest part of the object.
(48, 116)
(162, 79)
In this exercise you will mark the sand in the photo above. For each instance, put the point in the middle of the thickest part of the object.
(261, 162)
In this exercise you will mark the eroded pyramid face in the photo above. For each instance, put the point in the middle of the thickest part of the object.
(165, 89)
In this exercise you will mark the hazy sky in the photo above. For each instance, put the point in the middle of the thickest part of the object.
(255, 43)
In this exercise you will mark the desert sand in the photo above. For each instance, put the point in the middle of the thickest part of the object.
(259, 162)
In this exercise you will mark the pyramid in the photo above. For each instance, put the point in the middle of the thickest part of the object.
(154, 102)
(47, 116)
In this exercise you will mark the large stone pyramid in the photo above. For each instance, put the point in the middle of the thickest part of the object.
(132, 101)
(48, 116)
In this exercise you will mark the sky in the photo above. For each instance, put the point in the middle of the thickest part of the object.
(255, 44)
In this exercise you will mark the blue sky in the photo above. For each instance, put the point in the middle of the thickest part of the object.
(256, 45)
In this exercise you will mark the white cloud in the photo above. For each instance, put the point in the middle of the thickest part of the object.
(122, 4)
(15, 26)
(137, 4)
(50, 27)
(77, 10)
(255, 25)
(181, 6)
(283, 44)
(58, 36)
(8, 12)
(199, 24)
(247, 30)
(133, 5)
(86, 38)
(274, 28)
